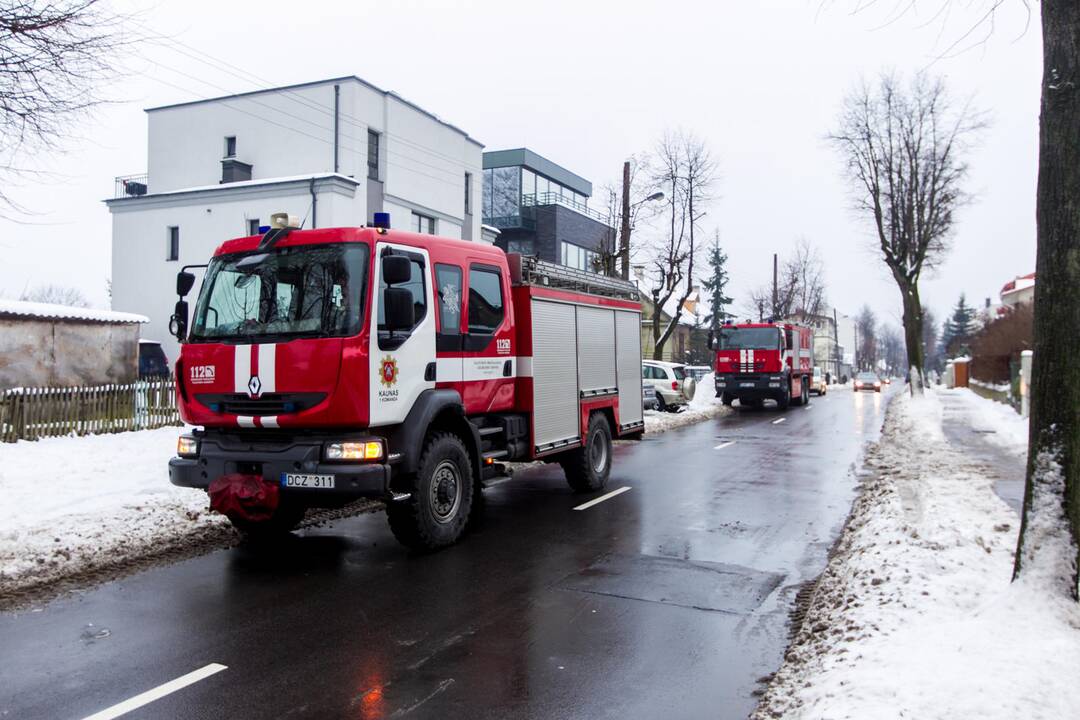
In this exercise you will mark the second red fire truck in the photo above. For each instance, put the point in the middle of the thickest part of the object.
(764, 361)
(327, 365)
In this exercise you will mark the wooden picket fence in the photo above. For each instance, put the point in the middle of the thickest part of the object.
(34, 413)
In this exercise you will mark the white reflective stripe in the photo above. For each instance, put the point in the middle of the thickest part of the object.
(448, 369)
(524, 366)
(486, 368)
(245, 421)
(268, 368)
(268, 421)
(241, 368)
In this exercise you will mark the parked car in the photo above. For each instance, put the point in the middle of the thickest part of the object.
(669, 380)
(698, 371)
(152, 360)
(818, 385)
(867, 381)
(648, 395)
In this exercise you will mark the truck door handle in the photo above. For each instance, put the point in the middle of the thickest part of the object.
(508, 367)
(429, 372)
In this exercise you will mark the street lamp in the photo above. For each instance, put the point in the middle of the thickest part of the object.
(624, 231)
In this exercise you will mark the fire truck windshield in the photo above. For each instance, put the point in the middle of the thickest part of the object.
(749, 339)
(300, 291)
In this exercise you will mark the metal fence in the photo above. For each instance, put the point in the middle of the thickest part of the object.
(34, 413)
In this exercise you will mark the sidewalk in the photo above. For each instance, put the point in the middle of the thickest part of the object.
(916, 615)
(993, 435)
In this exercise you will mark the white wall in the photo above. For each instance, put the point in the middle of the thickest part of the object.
(290, 132)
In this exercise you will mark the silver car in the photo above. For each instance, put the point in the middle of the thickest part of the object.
(648, 395)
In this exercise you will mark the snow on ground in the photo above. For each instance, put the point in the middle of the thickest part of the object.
(915, 616)
(703, 406)
(1009, 429)
(75, 503)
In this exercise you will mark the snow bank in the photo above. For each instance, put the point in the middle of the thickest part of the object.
(703, 406)
(76, 502)
(915, 616)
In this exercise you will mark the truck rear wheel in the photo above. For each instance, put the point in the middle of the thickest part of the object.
(587, 467)
(441, 496)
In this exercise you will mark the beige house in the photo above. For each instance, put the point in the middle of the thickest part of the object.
(44, 345)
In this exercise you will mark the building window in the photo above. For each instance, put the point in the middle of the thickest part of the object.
(485, 300)
(578, 257)
(423, 224)
(253, 226)
(172, 250)
(230, 146)
(468, 193)
(372, 155)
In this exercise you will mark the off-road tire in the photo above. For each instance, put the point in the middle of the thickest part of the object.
(726, 399)
(430, 519)
(784, 401)
(286, 517)
(587, 468)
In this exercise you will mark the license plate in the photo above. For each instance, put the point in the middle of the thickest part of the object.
(304, 480)
(749, 384)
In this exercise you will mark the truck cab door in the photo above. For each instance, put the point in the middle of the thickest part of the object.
(402, 361)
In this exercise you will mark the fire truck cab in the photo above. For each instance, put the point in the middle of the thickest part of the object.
(322, 366)
(764, 361)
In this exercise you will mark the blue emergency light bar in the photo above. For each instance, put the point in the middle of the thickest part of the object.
(382, 220)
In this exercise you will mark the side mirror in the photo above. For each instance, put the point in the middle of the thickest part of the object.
(178, 323)
(396, 269)
(398, 308)
(184, 282)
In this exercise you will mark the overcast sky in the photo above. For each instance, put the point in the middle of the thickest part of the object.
(586, 84)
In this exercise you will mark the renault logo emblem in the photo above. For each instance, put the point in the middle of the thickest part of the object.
(254, 386)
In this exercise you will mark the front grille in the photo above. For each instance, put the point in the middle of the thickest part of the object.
(267, 404)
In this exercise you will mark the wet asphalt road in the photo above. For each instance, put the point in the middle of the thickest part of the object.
(668, 600)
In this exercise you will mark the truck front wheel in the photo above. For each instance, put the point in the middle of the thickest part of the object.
(587, 467)
(441, 496)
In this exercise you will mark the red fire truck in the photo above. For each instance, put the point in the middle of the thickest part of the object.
(327, 365)
(764, 361)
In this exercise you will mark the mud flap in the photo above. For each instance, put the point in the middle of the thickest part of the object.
(246, 497)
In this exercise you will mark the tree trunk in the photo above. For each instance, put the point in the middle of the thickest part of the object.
(1050, 529)
(624, 226)
(913, 327)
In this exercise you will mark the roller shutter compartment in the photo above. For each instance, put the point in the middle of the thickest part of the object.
(555, 377)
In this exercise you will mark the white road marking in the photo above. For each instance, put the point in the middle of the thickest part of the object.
(157, 693)
(721, 446)
(807, 407)
(777, 421)
(602, 498)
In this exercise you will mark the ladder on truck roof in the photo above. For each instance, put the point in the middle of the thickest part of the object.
(531, 270)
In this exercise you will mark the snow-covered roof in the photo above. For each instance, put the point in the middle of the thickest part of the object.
(1020, 282)
(22, 308)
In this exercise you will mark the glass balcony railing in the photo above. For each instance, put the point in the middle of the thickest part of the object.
(551, 198)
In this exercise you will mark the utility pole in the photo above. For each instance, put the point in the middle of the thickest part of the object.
(775, 296)
(624, 230)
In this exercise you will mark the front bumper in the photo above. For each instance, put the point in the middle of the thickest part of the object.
(751, 386)
(271, 458)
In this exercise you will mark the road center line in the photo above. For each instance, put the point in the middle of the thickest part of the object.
(721, 446)
(602, 498)
(777, 421)
(157, 693)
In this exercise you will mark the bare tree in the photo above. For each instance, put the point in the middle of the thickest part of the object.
(55, 55)
(903, 147)
(800, 286)
(866, 351)
(891, 345)
(685, 171)
(56, 295)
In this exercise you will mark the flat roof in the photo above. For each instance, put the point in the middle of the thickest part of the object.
(50, 311)
(313, 83)
(540, 164)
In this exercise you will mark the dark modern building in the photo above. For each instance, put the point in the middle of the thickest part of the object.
(543, 209)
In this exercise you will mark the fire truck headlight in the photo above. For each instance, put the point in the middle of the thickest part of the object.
(187, 446)
(372, 450)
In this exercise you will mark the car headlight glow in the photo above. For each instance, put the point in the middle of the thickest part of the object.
(187, 446)
(371, 450)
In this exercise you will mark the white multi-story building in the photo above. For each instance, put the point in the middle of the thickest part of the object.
(333, 152)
